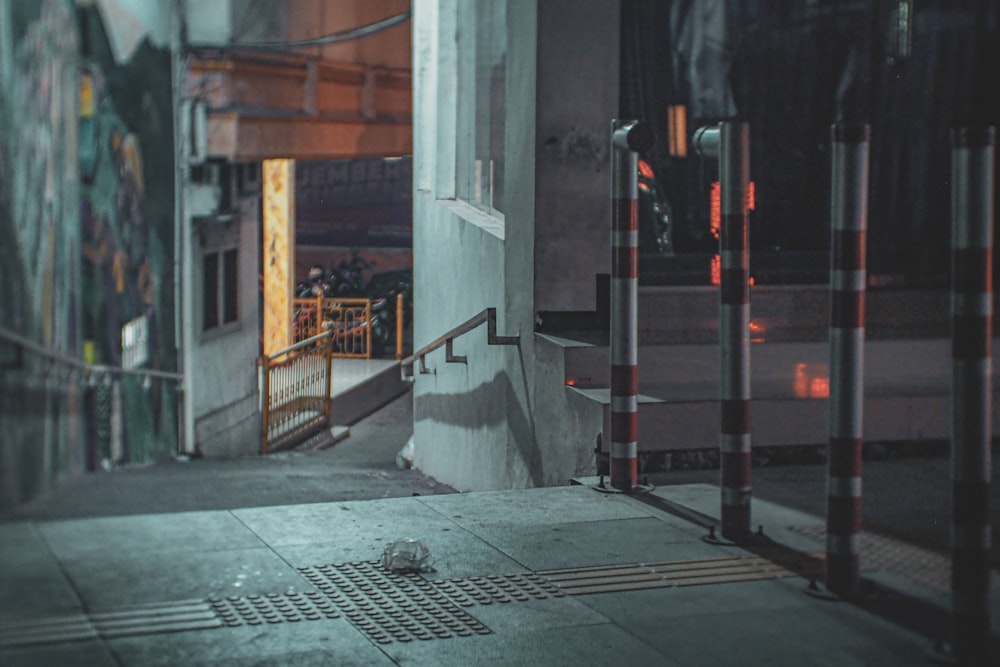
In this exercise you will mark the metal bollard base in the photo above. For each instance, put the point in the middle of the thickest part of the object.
(645, 487)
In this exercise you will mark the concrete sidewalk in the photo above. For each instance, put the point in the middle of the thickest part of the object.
(520, 577)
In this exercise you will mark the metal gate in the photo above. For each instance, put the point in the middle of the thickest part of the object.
(295, 392)
(350, 321)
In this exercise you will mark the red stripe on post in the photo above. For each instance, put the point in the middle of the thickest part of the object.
(851, 133)
(624, 215)
(624, 262)
(734, 287)
(624, 380)
(624, 427)
(734, 232)
(843, 515)
(735, 520)
(970, 336)
(735, 470)
(842, 572)
(735, 416)
(845, 457)
(624, 472)
(847, 309)
(972, 270)
(973, 137)
(970, 504)
(970, 571)
(848, 249)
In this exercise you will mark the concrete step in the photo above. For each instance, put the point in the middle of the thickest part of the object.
(907, 387)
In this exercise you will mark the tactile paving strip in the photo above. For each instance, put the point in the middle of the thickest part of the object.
(273, 608)
(920, 566)
(500, 588)
(109, 623)
(389, 606)
(667, 574)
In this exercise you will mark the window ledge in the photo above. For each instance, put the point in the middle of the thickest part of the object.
(221, 331)
(491, 223)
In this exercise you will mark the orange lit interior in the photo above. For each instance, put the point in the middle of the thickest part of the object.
(677, 130)
(715, 221)
(811, 381)
(715, 210)
(645, 169)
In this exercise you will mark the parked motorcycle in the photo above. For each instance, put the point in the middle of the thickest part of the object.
(346, 280)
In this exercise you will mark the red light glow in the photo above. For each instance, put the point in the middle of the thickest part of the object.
(811, 381)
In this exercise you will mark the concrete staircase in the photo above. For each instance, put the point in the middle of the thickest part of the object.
(907, 368)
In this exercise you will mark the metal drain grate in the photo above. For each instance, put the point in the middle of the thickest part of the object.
(273, 608)
(641, 576)
(500, 588)
(119, 622)
(388, 606)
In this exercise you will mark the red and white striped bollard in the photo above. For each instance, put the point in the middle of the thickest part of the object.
(972, 181)
(628, 137)
(848, 232)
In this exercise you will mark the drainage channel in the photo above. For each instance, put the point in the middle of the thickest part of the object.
(386, 606)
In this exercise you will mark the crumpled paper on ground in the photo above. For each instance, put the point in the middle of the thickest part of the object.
(406, 555)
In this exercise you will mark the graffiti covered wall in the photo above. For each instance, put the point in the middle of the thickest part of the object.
(86, 228)
(127, 217)
(40, 403)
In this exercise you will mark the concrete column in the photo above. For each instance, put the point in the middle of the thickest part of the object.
(972, 318)
(627, 138)
(848, 229)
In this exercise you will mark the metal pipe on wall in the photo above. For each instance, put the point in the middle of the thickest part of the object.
(848, 232)
(399, 326)
(628, 137)
(729, 142)
(972, 202)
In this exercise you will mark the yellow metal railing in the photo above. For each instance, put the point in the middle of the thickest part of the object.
(349, 320)
(295, 392)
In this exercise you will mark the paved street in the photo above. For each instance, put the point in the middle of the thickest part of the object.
(360, 467)
(274, 561)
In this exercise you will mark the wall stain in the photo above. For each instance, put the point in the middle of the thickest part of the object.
(576, 148)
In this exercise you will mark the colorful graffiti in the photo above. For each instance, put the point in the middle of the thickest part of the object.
(117, 279)
(43, 184)
(40, 411)
(126, 221)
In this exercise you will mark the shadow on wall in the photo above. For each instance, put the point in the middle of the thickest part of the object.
(479, 409)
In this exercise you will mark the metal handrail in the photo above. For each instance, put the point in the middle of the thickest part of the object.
(301, 344)
(77, 363)
(489, 316)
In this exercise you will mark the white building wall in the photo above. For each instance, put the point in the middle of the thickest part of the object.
(505, 419)
(225, 394)
(466, 415)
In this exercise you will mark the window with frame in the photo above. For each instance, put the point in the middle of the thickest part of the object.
(481, 159)
(220, 299)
